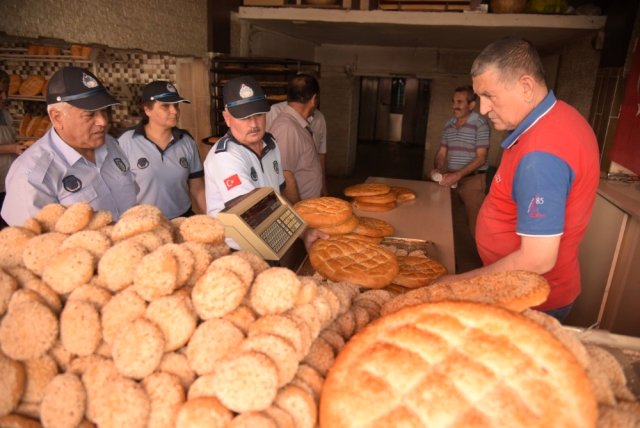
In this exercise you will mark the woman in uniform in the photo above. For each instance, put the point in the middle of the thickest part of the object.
(164, 158)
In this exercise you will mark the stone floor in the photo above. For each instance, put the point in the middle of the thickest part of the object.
(397, 160)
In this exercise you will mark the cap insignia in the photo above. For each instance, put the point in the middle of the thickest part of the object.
(89, 81)
(245, 91)
(171, 88)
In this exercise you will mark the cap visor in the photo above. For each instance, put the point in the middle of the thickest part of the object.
(173, 99)
(247, 110)
(95, 102)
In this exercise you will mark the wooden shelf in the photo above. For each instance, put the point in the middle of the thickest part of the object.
(44, 58)
(40, 98)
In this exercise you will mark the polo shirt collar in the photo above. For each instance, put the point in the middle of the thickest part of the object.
(297, 116)
(531, 119)
(176, 132)
(70, 155)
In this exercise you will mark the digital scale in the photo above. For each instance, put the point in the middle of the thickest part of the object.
(264, 223)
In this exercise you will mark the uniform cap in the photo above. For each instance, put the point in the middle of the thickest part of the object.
(80, 88)
(243, 97)
(162, 91)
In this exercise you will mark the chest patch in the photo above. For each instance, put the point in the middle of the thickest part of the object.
(71, 183)
(120, 164)
(143, 163)
(254, 174)
(184, 163)
(276, 167)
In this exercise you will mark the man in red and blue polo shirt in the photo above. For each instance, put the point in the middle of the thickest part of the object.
(542, 195)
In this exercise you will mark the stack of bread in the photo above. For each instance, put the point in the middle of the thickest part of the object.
(472, 353)
(150, 322)
(378, 197)
(33, 85)
(34, 126)
(354, 254)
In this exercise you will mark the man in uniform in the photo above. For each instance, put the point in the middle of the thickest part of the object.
(76, 160)
(300, 160)
(246, 157)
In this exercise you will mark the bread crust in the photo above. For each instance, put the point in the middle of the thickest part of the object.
(456, 364)
(355, 261)
(324, 211)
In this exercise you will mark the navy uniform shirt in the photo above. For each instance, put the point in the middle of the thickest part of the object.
(50, 171)
(163, 176)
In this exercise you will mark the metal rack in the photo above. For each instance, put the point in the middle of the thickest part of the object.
(272, 74)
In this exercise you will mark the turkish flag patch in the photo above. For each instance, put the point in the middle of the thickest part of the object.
(232, 181)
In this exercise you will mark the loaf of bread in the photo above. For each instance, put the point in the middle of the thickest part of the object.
(515, 290)
(456, 364)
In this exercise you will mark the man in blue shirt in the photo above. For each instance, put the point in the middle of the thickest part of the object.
(75, 161)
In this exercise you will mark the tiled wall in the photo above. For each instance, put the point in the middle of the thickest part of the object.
(123, 73)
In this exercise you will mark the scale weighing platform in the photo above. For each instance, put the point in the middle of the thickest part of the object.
(264, 223)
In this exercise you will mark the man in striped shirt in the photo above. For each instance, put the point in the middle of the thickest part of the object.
(462, 157)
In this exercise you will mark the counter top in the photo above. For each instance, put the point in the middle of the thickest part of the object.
(428, 217)
(625, 196)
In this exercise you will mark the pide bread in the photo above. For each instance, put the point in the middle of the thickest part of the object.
(324, 211)
(456, 364)
(367, 189)
(14, 84)
(515, 290)
(377, 228)
(417, 271)
(383, 198)
(339, 229)
(352, 260)
(403, 194)
(32, 85)
(372, 207)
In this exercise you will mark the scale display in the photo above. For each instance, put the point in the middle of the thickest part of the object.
(262, 222)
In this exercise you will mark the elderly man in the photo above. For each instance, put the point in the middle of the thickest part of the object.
(75, 161)
(247, 157)
(542, 195)
(300, 159)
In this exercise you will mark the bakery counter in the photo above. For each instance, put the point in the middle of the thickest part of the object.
(428, 217)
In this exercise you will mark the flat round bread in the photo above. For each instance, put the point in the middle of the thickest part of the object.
(368, 206)
(353, 260)
(514, 290)
(418, 272)
(324, 212)
(383, 198)
(374, 227)
(367, 189)
(32, 85)
(341, 228)
(14, 84)
(403, 194)
(456, 364)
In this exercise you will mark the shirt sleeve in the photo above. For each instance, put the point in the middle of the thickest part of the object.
(483, 134)
(319, 128)
(286, 139)
(230, 175)
(196, 169)
(540, 188)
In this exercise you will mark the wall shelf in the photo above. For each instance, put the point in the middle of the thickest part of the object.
(272, 74)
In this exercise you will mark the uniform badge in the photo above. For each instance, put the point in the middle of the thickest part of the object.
(254, 174)
(143, 163)
(89, 81)
(245, 91)
(120, 164)
(184, 163)
(71, 183)
(276, 168)
(171, 88)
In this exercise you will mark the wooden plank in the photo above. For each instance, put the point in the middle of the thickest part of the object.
(424, 7)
